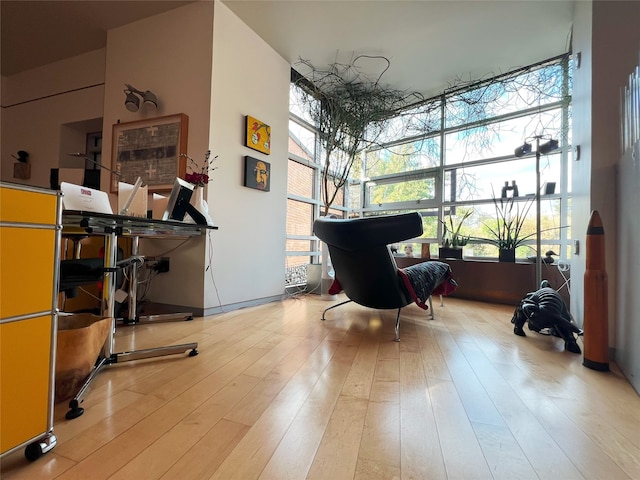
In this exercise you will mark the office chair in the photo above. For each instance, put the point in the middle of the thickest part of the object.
(77, 272)
(366, 270)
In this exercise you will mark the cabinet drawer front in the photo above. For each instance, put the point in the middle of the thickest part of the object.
(28, 206)
(26, 270)
(25, 365)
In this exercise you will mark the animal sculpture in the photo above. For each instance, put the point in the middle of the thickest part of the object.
(545, 312)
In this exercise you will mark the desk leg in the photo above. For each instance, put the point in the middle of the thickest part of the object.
(133, 283)
(133, 317)
(109, 289)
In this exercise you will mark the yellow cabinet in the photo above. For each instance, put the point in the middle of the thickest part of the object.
(29, 259)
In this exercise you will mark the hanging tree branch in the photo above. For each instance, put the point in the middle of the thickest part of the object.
(350, 111)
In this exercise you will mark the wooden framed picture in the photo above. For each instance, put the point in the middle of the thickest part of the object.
(150, 149)
(257, 135)
(257, 174)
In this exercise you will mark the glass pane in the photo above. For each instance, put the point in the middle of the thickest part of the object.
(300, 179)
(299, 246)
(355, 196)
(407, 157)
(568, 233)
(337, 213)
(551, 227)
(299, 218)
(302, 141)
(500, 139)
(486, 181)
(429, 220)
(299, 101)
(537, 87)
(413, 122)
(401, 191)
(339, 194)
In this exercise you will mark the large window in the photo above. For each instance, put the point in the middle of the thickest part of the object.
(453, 153)
(465, 156)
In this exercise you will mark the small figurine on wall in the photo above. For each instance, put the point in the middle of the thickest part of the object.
(22, 168)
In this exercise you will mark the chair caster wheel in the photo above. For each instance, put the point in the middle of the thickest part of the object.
(193, 352)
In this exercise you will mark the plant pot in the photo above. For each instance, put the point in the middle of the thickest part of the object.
(507, 255)
(446, 252)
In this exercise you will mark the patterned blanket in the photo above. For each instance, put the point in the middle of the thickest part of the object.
(427, 278)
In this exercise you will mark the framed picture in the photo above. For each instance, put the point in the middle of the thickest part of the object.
(257, 135)
(150, 149)
(257, 174)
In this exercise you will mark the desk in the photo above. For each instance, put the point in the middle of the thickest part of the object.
(111, 227)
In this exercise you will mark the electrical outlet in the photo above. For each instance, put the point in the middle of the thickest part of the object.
(162, 265)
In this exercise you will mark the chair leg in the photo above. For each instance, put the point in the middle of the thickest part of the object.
(431, 307)
(441, 301)
(397, 339)
(334, 306)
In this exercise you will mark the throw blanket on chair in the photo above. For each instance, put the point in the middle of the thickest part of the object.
(428, 278)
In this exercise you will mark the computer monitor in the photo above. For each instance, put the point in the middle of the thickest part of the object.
(178, 204)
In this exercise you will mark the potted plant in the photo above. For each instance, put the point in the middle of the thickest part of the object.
(452, 239)
(507, 232)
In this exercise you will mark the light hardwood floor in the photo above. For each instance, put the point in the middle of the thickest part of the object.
(276, 393)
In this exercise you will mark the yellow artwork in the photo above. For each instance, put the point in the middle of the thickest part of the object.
(258, 135)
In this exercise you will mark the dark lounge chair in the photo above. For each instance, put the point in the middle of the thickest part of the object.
(365, 268)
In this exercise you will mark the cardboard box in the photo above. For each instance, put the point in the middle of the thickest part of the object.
(80, 338)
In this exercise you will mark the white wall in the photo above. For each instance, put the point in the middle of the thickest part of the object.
(216, 70)
(249, 78)
(616, 39)
(627, 334)
(581, 169)
(616, 35)
(37, 104)
(169, 54)
(607, 34)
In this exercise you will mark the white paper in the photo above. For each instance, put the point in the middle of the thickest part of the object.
(77, 197)
(135, 197)
(158, 206)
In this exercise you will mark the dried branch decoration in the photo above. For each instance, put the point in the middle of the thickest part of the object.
(350, 111)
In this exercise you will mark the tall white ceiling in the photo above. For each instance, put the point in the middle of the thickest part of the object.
(431, 44)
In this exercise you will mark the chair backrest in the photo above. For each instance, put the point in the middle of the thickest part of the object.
(362, 260)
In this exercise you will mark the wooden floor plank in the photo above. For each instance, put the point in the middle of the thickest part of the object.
(254, 451)
(337, 454)
(421, 455)
(160, 456)
(277, 393)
